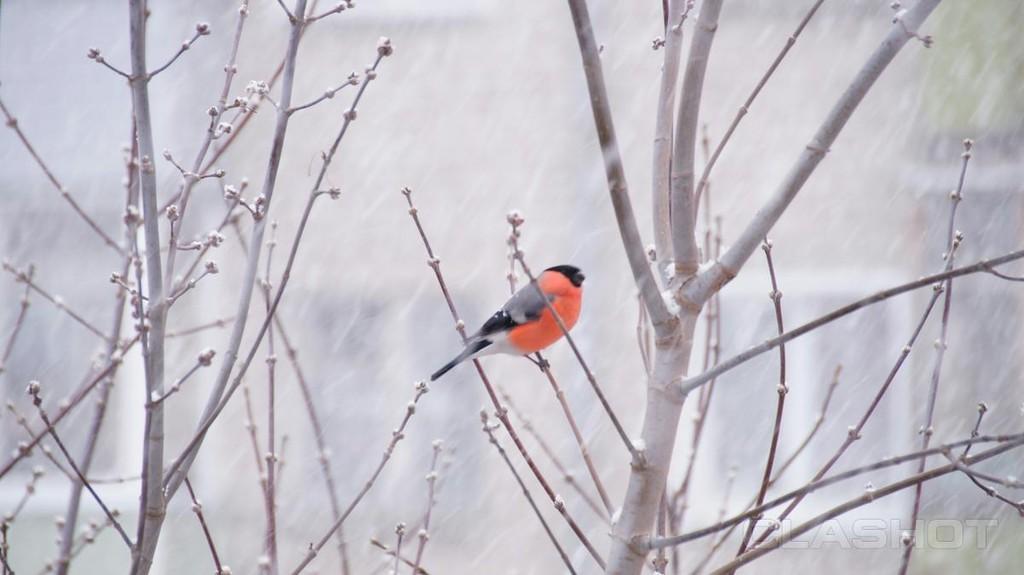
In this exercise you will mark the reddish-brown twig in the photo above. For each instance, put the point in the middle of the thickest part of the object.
(567, 476)
(953, 239)
(37, 401)
(782, 391)
(197, 508)
(489, 429)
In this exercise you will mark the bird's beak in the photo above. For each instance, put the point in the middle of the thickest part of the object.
(579, 278)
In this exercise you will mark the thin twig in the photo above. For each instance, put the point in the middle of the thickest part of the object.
(400, 534)
(397, 435)
(25, 448)
(190, 178)
(790, 41)
(1008, 441)
(202, 29)
(217, 323)
(352, 80)
(976, 477)
(953, 239)
(37, 401)
(339, 7)
(389, 551)
(567, 476)
(204, 360)
(818, 422)
(26, 278)
(30, 490)
(489, 429)
(867, 498)
(691, 383)
(197, 508)
(424, 533)
(782, 390)
(12, 123)
(23, 305)
(66, 551)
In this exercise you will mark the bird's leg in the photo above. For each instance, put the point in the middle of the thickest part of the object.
(540, 362)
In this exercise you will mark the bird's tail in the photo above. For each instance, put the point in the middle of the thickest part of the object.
(471, 348)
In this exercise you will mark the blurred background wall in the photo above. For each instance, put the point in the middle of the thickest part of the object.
(482, 110)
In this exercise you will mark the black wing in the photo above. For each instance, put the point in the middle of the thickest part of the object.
(500, 321)
(523, 307)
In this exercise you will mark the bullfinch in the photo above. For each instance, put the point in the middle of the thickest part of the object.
(524, 325)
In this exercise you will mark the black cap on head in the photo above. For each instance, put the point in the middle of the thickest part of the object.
(572, 272)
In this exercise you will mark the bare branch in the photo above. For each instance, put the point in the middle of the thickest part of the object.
(12, 123)
(865, 499)
(782, 390)
(151, 502)
(1006, 443)
(23, 305)
(95, 55)
(567, 476)
(352, 80)
(712, 279)
(217, 323)
(684, 214)
(26, 277)
(202, 29)
(691, 383)
(100, 376)
(33, 390)
(339, 7)
(197, 508)
(391, 552)
(662, 169)
(424, 533)
(204, 360)
(790, 41)
(953, 239)
(661, 317)
(219, 398)
(397, 435)
(489, 429)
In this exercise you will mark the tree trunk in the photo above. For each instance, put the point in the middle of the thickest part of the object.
(646, 483)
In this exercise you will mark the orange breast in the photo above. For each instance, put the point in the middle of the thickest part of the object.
(537, 335)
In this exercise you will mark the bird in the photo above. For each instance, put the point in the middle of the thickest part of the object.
(524, 325)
